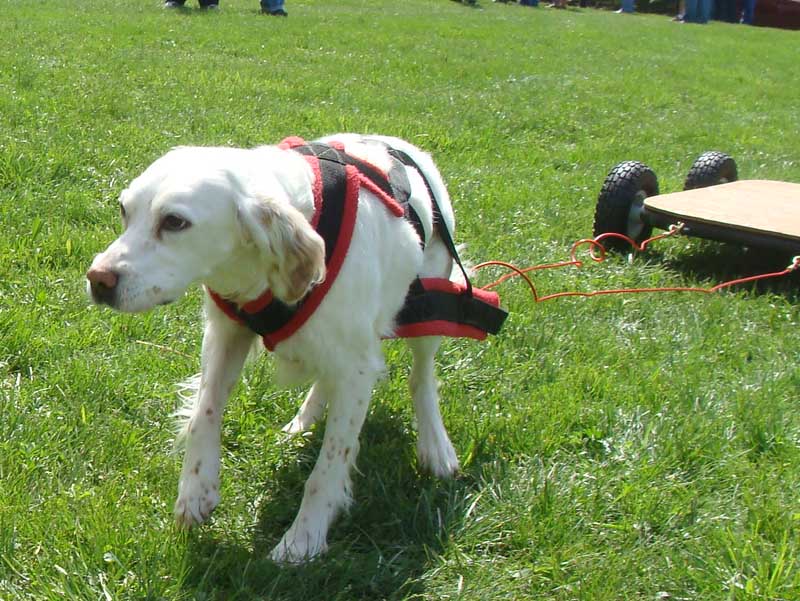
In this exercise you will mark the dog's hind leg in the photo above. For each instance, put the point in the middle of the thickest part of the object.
(435, 452)
(309, 413)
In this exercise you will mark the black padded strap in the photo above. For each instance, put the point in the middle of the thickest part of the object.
(438, 221)
(395, 185)
(436, 305)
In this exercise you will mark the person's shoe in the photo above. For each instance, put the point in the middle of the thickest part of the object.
(210, 7)
(172, 4)
(275, 13)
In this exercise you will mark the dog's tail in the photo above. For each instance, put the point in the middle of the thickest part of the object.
(456, 273)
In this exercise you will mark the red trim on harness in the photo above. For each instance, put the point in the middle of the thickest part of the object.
(223, 306)
(389, 202)
(316, 188)
(253, 306)
(257, 305)
(291, 142)
(445, 285)
(439, 328)
(316, 295)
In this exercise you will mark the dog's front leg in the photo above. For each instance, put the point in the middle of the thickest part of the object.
(328, 488)
(225, 348)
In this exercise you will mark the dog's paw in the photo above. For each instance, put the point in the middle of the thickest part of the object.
(309, 414)
(438, 457)
(299, 546)
(298, 425)
(197, 498)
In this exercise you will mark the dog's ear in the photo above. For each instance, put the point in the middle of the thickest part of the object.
(294, 254)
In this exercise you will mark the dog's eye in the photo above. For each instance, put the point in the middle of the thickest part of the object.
(123, 216)
(173, 223)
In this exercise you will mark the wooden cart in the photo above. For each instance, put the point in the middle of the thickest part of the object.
(714, 204)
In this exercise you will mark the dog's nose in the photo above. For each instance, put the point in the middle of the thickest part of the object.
(103, 277)
(102, 283)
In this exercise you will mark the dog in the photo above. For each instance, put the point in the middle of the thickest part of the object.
(241, 223)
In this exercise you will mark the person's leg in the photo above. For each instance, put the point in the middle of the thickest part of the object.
(690, 15)
(726, 11)
(748, 12)
(707, 8)
(273, 7)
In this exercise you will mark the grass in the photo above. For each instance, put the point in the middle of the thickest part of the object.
(643, 447)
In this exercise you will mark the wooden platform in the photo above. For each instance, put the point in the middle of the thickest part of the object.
(761, 207)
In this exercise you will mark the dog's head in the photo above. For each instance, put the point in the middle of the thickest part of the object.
(190, 217)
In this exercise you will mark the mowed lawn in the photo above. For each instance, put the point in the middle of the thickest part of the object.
(636, 447)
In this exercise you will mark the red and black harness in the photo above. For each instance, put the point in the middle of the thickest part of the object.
(433, 306)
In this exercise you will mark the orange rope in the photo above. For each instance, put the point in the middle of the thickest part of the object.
(596, 246)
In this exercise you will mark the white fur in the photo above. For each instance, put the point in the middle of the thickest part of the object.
(248, 212)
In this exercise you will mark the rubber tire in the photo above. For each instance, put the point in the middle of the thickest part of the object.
(625, 188)
(710, 169)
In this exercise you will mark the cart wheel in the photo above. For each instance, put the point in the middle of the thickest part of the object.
(711, 168)
(621, 202)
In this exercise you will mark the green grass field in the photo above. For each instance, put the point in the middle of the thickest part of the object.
(639, 447)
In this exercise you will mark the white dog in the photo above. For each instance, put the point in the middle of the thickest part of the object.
(242, 223)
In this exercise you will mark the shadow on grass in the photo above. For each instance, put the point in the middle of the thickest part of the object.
(721, 262)
(398, 526)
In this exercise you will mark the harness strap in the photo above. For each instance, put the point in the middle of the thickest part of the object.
(438, 221)
(398, 178)
(393, 188)
(373, 178)
(271, 318)
(433, 306)
(440, 307)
